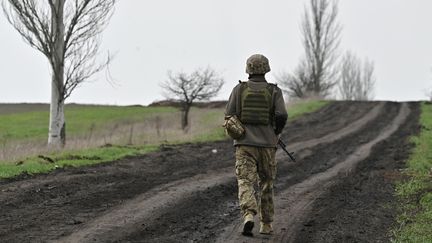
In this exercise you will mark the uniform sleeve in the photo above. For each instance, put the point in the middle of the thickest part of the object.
(281, 114)
(231, 107)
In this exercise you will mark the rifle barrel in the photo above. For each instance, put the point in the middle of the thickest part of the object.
(283, 146)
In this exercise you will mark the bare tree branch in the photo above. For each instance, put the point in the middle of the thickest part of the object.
(202, 84)
(84, 21)
(316, 74)
(357, 78)
(31, 21)
(67, 32)
(429, 94)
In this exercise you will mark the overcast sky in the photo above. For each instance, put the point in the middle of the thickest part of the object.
(152, 37)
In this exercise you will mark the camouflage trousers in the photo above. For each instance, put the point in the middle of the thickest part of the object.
(256, 165)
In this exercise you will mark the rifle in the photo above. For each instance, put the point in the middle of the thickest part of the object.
(283, 146)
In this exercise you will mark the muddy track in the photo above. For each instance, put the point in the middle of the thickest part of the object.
(201, 212)
(358, 207)
(186, 193)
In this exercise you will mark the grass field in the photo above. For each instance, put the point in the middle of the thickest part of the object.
(296, 109)
(415, 193)
(98, 134)
(79, 120)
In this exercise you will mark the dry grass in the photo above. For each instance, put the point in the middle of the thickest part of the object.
(153, 129)
(156, 129)
(128, 131)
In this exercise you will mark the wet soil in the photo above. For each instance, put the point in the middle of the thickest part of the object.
(197, 188)
(361, 207)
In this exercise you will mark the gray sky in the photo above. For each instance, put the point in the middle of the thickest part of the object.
(152, 37)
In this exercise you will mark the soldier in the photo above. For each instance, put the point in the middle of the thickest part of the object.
(255, 116)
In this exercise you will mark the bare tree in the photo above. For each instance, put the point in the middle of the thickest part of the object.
(297, 84)
(67, 33)
(350, 76)
(429, 94)
(201, 84)
(368, 80)
(316, 74)
(357, 78)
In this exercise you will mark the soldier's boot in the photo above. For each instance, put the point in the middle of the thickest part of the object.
(266, 228)
(248, 224)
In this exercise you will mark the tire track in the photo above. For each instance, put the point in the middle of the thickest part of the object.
(45, 207)
(327, 117)
(359, 207)
(297, 199)
(331, 137)
(322, 117)
(145, 207)
(218, 206)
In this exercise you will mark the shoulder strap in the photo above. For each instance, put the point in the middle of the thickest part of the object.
(243, 86)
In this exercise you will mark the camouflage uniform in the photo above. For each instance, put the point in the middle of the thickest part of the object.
(256, 164)
(256, 148)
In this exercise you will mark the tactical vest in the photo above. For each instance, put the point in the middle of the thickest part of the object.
(256, 106)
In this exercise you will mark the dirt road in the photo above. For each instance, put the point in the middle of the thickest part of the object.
(341, 190)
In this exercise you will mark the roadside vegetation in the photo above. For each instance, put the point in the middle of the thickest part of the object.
(102, 133)
(24, 134)
(32, 125)
(296, 109)
(414, 222)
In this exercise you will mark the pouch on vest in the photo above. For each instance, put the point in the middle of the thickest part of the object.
(233, 127)
(256, 105)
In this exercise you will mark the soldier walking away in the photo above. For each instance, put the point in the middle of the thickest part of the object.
(255, 116)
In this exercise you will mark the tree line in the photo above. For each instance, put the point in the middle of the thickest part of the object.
(321, 72)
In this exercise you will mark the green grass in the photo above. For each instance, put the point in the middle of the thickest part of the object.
(50, 162)
(305, 107)
(209, 128)
(216, 133)
(415, 193)
(79, 120)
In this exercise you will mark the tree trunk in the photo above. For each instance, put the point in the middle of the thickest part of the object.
(185, 117)
(57, 124)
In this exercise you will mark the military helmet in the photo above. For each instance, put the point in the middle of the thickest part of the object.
(257, 64)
